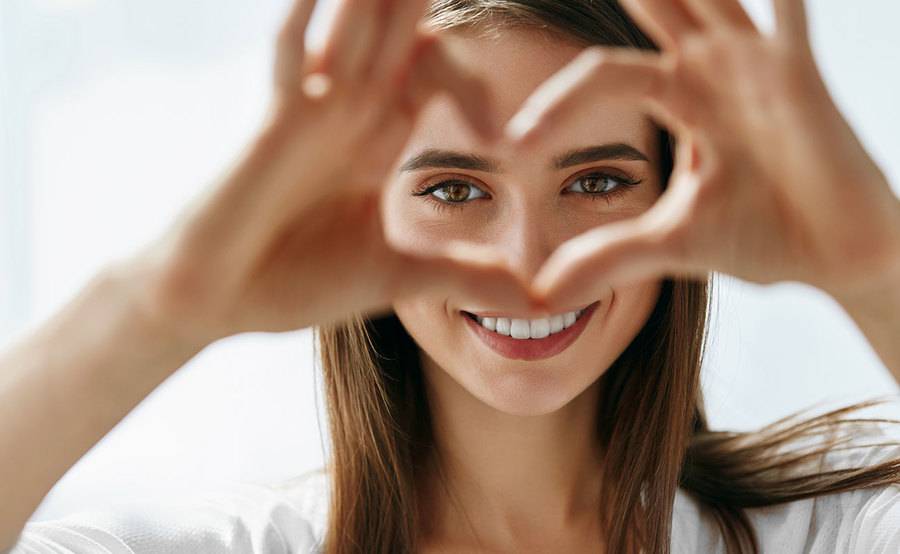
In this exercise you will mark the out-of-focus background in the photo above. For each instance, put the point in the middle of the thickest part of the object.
(114, 113)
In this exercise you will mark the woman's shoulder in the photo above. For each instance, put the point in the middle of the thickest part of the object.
(310, 493)
(287, 517)
(865, 519)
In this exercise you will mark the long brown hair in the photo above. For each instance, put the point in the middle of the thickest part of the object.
(651, 423)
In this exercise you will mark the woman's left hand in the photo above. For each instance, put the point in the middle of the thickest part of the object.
(770, 184)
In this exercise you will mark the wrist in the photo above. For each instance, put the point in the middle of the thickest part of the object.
(144, 327)
(876, 313)
(874, 305)
(879, 282)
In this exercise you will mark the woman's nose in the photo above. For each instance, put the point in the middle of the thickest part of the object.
(527, 239)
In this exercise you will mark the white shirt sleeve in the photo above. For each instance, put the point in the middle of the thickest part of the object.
(874, 511)
(860, 521)
(877, 529)
(245, 519)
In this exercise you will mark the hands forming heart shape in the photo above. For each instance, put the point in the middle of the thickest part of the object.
(770, 184)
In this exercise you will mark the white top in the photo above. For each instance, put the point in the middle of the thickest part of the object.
(290, 518)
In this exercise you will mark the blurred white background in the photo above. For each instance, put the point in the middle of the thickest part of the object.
(113, 113)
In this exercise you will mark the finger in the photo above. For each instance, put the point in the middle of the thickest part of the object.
(667, 21)
(721, 14)
(612, 255)
(351, 39)
(435, 70)
(479, 274)
(791, 20)
(291, 44)
(597, 72)
(400, 36)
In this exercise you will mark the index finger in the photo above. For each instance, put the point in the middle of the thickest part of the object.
(620, 73)
(291, 44)
(790, 16)
(436, 70)
(399, 36)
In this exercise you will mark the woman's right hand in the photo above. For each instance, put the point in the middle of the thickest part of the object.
(292, 236)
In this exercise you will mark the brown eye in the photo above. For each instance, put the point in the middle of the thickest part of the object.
(456, 192)
(598, 183)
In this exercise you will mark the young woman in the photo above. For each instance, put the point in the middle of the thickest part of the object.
(511, 324)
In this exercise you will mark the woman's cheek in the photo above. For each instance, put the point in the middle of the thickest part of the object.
(425, 319)
(635, 303)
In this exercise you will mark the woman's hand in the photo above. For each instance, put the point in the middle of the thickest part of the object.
(292, 236)
(770, 183)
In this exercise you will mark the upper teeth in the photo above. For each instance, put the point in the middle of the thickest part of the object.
(530, 328)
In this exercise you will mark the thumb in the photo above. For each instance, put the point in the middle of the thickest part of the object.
(607, 256)
(478, 273)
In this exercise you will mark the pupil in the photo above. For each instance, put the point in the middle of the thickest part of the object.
(458, 192)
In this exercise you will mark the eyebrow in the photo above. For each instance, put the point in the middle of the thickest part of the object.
(450, 159)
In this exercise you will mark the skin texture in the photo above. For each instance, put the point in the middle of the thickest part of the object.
(239, 257)
(519, 432)
(288, 238)
(529, 213)
(770, 183)
(292, 236)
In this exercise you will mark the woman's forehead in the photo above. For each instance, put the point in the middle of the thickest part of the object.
(513, 64)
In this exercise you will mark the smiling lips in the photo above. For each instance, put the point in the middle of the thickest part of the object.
(530, 339)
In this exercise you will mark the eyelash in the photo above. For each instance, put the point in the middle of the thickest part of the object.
(427, 190)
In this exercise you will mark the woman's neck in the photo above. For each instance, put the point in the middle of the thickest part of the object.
(514, 479)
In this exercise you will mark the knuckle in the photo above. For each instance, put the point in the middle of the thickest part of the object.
(678, 65)
(427, 48)
(687, 109)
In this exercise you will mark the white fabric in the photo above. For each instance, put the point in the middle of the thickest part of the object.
(247, 518)
(290, 518)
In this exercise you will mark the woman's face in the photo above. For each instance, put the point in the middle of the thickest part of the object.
(524, 206)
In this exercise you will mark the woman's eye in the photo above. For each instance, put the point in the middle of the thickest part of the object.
(600, 184)
(458, 193)
(454, 192)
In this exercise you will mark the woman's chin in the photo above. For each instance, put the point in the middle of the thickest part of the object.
(523, 394)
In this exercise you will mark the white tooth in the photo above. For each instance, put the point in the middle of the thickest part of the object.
(489, 323)
(540, 328)
(568, 319)
(556, 324)
(503, 325)
(520, 329)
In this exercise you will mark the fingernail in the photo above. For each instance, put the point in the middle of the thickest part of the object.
(316, 85)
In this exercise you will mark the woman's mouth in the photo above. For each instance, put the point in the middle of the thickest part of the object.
(530, 339)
